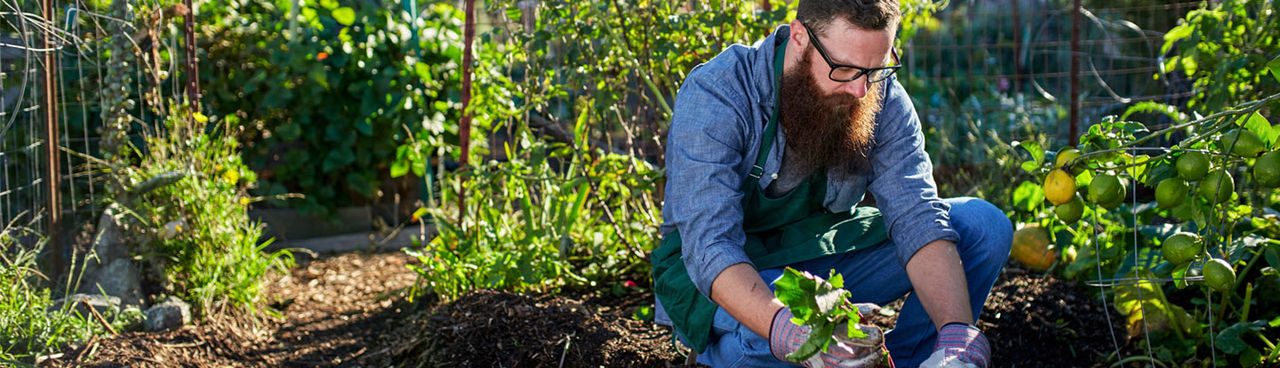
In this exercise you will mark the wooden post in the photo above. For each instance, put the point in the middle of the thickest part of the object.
(1075, 73)
(464, 129)
(53, 174)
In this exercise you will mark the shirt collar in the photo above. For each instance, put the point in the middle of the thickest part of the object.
(762, 67)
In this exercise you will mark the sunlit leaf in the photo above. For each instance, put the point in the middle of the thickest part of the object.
(344, 15)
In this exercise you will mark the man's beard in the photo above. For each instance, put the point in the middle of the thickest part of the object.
(827, 131)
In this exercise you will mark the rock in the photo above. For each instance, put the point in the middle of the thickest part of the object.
(121, 278)
(170, 315)
(111, 269)
(83, 303)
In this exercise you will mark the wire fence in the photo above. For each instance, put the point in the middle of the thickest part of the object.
(1005, 68)
(52, 62)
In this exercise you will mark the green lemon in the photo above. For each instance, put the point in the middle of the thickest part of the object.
(1217, 186)
(1071, 211)
(1171, 192)
(1106, 191)
(1059, 187)
(1219, 275)
(1064, 157)
(1192, 165)
(1242, 143)
(1181, 248)
(1266, 171)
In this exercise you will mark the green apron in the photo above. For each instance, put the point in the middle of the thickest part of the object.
(793, 228)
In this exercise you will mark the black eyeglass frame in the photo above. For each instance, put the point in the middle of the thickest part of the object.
(861, 71)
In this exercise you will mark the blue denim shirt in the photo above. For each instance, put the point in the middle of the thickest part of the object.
(720, 113)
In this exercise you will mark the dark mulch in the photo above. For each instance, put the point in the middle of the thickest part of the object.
(333, 310)
(350, 310)
(1035, 321)
(497, 329)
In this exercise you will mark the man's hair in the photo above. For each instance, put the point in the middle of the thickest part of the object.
(871, 15)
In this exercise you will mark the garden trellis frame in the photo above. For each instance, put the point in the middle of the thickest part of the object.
(51, 69)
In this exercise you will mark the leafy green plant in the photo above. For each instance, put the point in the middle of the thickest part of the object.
(822, 305)
(1224, 48)
(190, 210)
(550, 218)
(184, 204)
(30, 325)
(327, 93)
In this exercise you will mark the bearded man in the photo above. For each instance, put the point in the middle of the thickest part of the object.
(772, 147)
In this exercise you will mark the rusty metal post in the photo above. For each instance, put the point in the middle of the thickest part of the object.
(1075, 73)
(193, 68)
(464, 129)
(53, 175)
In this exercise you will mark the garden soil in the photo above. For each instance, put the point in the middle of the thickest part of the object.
(351, 311)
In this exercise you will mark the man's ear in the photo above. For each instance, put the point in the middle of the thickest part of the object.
(798, 35)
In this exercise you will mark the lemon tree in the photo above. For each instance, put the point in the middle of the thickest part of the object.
(1128, 203)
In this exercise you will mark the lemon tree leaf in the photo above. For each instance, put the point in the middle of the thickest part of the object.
(1180, 275)
(1259, 125)
(1037, 154)
(1229, 339)
(1027, 196)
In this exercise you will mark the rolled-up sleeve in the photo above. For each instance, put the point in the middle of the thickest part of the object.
(706, 145)
(902, 179)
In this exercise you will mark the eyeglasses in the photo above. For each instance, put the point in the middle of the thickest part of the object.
(849, 73)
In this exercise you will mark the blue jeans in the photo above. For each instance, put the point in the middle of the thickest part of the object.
(874, 275)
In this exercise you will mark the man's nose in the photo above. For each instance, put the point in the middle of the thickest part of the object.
(857, 88)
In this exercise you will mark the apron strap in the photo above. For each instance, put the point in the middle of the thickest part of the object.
(771, 127)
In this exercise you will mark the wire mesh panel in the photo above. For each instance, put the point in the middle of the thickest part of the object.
(22, 143)
(1003, 67)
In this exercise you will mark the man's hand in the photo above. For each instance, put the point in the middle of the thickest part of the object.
(786, 337)
(959, 345)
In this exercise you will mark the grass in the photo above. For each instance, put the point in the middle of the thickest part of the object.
(28, 328)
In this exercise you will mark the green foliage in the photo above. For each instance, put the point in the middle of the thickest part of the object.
(820, 304)
(552, 218)
(1125, 243)
(329, 94)
(1225, 48)
(29, 325)
(188, 204)
(576, 204)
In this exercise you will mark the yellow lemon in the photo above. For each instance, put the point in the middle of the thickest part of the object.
(1059, 187)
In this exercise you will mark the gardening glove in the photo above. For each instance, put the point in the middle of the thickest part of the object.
(959, 345)
(786, 337)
